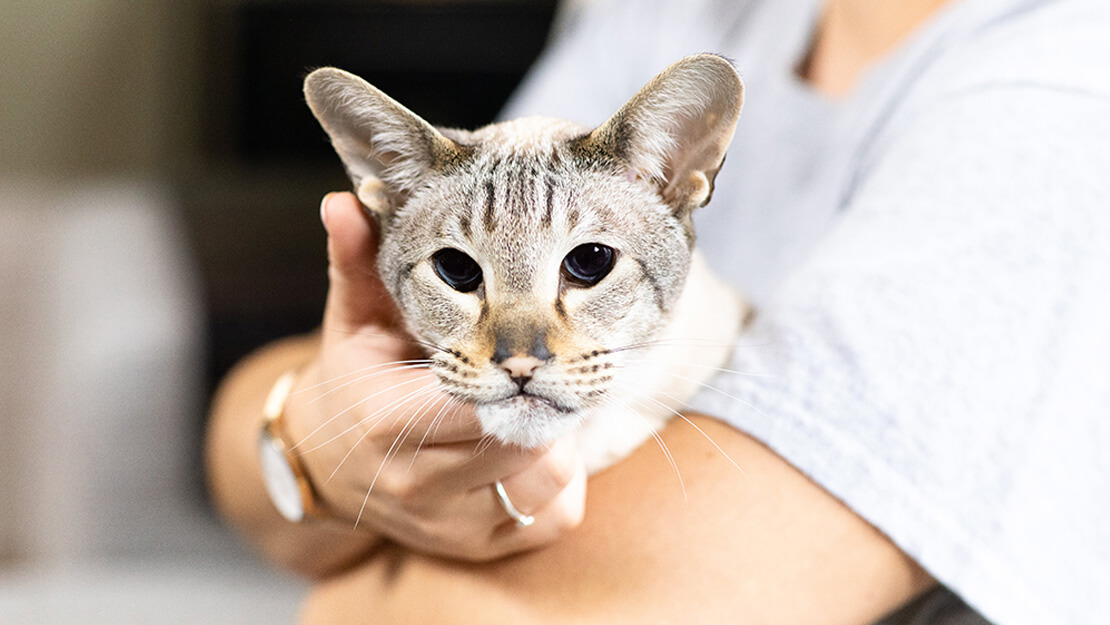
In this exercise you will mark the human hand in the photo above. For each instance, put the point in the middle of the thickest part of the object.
(388, 450)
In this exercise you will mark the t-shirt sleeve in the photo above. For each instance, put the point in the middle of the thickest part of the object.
(942, 362)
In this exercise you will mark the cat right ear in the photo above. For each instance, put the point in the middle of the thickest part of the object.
(386, 148)
(674, 132)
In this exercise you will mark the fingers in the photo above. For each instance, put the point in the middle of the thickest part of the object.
(552, 490)
(477, 528)
(422, 509)
(356, 297)
(534, 487)
(553, 519)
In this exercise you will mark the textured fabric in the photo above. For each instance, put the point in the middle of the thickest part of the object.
(931, 261)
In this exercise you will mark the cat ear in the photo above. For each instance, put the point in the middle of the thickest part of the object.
(386, 148)
(675, 131)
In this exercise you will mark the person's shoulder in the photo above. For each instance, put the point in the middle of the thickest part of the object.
(1000, 69)
(1059, 45)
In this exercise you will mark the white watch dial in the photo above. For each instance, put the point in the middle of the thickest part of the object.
(281, 482)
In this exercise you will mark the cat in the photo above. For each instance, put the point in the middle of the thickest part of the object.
(551, 266)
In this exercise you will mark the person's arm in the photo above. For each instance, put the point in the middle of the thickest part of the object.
(758, 545)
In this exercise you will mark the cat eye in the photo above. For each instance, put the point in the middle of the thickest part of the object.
(588, 263)
(458, 270)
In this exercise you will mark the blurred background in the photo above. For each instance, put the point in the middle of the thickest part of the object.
(160, 178)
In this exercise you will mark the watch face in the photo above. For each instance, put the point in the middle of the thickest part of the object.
(281, 482)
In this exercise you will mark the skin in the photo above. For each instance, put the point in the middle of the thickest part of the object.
(766, 544)
(852, 35)
(761, 545)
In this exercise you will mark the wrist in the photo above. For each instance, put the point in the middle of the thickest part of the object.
(289, 486)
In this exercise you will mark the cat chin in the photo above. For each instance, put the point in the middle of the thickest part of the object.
(526, 421)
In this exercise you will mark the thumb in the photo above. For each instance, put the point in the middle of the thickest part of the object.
(356, 296)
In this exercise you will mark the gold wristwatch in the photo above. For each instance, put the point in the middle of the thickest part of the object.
(287, 482)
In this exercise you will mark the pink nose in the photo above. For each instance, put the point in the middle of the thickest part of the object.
(521, 367)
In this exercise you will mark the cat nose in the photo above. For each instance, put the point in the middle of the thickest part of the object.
(528, 346)
(521, 368)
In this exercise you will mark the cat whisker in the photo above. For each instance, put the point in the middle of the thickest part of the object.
(410, 425)
(700, 431)
(348, 455)
(349, 408)
(682, 342)
(433, 423)
(397, 366)
(609, 401)
(390, 454)
(412, 396)
(750, 374)
(713, 388)
(456, 405)
(395, 403)
(484, 443)
(721, 392)
(360, 371)
(395, 408)
(407, 339)
(646, 396)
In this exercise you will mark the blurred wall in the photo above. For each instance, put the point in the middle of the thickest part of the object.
(98, 87)
(91, 92)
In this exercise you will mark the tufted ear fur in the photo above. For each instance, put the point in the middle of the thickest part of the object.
(674, 132)
(386, 148)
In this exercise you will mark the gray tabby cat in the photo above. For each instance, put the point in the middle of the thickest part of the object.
(552, 266)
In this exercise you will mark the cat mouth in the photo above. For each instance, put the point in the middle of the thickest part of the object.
(526, 400)
(527, 419)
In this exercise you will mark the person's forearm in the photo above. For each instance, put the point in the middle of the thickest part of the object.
(762, 545)
(315, 548)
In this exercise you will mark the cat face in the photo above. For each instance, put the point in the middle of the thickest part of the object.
(534, 271)
(536, 255)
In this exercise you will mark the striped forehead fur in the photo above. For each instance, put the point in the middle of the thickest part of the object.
(514, 168)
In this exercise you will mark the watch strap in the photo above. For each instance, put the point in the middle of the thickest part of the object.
(287, 481)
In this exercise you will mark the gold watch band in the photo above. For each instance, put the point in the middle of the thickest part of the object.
(277, 451)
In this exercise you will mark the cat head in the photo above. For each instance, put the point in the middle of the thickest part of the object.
(536, 255)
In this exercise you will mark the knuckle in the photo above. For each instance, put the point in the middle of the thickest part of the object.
(400, 485)
(433, 532)
(559, 469)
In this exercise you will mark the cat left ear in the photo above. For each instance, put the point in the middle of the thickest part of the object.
(386, 148)
(674, 132)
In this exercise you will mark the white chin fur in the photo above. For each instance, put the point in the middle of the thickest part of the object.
(526, 421)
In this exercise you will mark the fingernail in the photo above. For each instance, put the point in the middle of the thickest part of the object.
(324, 209)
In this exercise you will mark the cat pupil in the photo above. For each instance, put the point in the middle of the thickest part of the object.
(588, 263)
(458, 270)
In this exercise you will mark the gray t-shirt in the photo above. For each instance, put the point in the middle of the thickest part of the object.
(931, 261)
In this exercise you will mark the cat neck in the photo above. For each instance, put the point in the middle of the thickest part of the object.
(695, 344)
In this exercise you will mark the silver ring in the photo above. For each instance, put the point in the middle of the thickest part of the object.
(522, 520)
